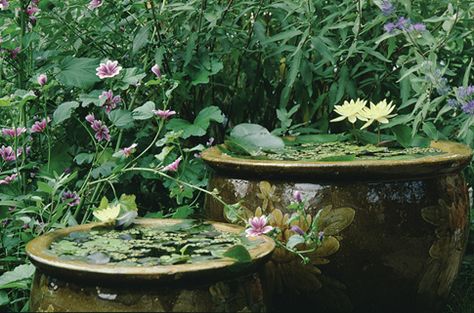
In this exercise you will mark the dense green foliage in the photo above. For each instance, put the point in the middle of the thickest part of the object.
(284, 64)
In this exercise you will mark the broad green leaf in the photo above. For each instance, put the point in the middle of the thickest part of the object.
(183, 212)
(64, 111)
(121, 118)
(19, 273)
(4, 299)
(238, 253)
(211, 113)
(78, 72)
(144, 112)
(253, 137)
(128, 202)
(84, 158)
(295, 240)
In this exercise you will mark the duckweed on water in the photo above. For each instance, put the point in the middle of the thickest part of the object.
(338, 151)
(187, 242)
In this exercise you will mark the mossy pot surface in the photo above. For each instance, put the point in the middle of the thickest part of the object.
(395, 231)
(214, 285)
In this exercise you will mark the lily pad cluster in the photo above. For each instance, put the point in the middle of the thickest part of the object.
(337, 151)
(187, 242)
(256, 142)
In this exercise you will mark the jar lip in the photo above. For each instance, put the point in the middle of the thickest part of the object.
(456, 157)
(37, 251)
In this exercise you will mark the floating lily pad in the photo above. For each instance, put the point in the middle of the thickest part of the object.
(187, 242)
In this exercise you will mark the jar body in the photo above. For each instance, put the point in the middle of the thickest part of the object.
(399, 244)
(59, 294)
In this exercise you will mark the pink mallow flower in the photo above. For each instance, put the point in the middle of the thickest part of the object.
(258, 226)
(111, 101)
(4, 4)
(101, 131)
(42, 79)
(72, 196)
(94, 4)
(13, 132)
(8, 153)
(164, 114)
(39, 126)
(8, 179)
(156, 70)
(173, 167)
(108, 69)
(32, 9)
(128, 150)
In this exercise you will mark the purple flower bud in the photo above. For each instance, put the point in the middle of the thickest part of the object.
(42, 79)
(389, 27)
(297, 196)
(297, 230)
(156, 70)
(387, 7)
(418, 27)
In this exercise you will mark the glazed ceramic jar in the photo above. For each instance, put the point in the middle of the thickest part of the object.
(395, 231)
(220, 285)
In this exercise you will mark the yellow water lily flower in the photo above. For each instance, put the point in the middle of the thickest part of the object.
(350, 110)
(108, 214)
(379, 112)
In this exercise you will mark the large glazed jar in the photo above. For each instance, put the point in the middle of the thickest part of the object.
(220, 285)
(395, 231)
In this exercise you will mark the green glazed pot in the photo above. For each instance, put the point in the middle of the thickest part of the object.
(212, 286)
(395, 231)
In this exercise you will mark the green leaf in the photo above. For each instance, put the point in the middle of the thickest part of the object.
(320, 138)
(64, 111)
(44, 187)
(128, 202)
(200, 125)
(403, 135)
(141, 39)
(78, 72)
(84, 158)
(121, 118)
(92, 97)
(104, 203)
(238, 253)
(295, 240)
(183, 212)
(19, 273)
(4, 299)
(211, 113)
(253, 137)
(131, 76)
(144, 112)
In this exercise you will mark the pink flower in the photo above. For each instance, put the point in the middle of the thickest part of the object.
(101, 131)
(13, 132)
(94, 4)
(90, 118)
(173, 167)
(31, 10)
(72, 196)
(42, 79)
(110, 101)
(14, 52)
(4, 4)
(156, 70)
(8, 153)
(108, 69)
(258, 226)
(8, 179)
(164, 114)
(129, 150)
(39, 127)
(35, 1)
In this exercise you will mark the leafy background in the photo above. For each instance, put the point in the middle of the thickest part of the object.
(282, 64)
